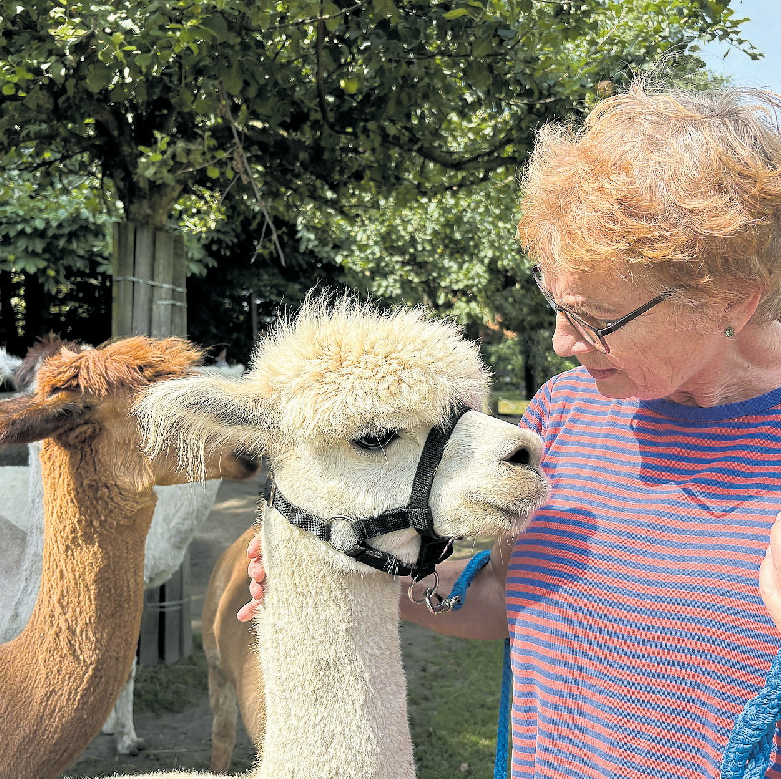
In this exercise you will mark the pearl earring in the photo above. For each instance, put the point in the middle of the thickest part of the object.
(729, 332)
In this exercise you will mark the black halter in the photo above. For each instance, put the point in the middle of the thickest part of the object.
(350, 535)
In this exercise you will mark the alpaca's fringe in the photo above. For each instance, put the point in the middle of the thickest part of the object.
(339, 368)
(196, 416)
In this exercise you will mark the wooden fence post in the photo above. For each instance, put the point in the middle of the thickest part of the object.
(149, 282)
(149, 298)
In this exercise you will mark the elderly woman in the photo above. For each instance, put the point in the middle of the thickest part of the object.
(632, 600)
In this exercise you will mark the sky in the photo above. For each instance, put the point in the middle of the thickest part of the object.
(764, 31)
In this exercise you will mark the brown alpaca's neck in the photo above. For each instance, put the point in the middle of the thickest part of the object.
(59, 678)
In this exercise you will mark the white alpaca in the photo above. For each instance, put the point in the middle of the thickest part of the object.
(21, 492)
(181, 509)
(17, 544)
(8, 365)
(343, 401)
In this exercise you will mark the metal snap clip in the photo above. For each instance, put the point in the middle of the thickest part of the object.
(435, 603)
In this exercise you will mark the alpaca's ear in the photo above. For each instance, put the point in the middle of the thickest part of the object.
(197, 415)
(26, 418)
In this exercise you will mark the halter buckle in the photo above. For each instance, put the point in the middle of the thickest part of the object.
(343, 535)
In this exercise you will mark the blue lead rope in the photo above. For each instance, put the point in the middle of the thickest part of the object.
(748, 750)
(473, 567)
(503, 728)
(458, 597)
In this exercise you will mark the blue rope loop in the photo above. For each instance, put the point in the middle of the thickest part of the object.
(457, 598)
(747, 754)
(473, 567)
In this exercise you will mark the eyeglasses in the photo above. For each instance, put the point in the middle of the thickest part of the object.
(596, 335)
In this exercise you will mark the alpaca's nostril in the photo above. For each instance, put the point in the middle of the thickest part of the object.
(520, 456)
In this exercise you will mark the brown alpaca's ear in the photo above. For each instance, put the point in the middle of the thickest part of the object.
(25, 418)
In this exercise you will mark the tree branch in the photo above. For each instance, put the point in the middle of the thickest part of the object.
(248, 172)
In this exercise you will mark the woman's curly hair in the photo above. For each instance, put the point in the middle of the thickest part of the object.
(678, 189)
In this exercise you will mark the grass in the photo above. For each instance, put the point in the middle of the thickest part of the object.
(507, 394)
(454, 688)
(172, 688)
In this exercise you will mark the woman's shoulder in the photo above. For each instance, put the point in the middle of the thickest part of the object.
(568, 393)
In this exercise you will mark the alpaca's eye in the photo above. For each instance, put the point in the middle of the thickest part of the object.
(375, 442)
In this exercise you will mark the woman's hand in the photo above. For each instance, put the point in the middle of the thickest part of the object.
(257, 575)
(770, 574)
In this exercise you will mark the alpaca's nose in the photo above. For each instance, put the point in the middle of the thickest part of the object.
(521, 456)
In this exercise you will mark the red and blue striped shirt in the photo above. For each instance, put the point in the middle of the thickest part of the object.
(637, 629)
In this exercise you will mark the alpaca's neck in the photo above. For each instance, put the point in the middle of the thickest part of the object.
(329, 648)
(59, 677)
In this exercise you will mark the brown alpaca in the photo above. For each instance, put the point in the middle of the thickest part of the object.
(234, 671)
(60, 677)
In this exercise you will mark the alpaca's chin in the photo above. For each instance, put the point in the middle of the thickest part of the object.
(484, 519)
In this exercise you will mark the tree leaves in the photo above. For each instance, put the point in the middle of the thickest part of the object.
(339, 107)
(99, 77)
(338, 93)
(52, 236)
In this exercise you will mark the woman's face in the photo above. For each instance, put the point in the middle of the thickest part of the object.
(650, 357)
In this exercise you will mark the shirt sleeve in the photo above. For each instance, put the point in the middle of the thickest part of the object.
(535, 418)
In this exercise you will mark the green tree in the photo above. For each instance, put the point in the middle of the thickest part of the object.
(318, 95)
(312, 101)
(453, 251)
(455, 254)
(238, 295)
(54, 255)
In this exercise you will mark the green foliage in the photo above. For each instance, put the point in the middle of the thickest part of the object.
(326, 106)
(455, 254)
(320, 96)
(55, 248)
(239, 294)
(55, 232)
(447, 251)
(55, 253)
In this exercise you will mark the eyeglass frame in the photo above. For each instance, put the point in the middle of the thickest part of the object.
(599, 332)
